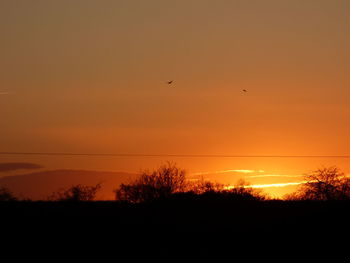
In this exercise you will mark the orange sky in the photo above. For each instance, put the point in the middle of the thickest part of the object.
(89, 76)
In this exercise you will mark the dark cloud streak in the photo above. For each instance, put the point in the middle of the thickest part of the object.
(7, 167)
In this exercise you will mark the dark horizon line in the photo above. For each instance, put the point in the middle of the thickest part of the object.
(171, 155)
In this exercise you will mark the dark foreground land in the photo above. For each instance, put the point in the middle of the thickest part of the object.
(180, 225)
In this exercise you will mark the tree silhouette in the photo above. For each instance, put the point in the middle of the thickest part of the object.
(76, 193)
(6, 195)
(161, 183)
(325, 184)
(240, 191)
(244, 191)
(170, 181)
(202, 186)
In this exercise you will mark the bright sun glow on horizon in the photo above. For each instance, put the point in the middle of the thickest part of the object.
(270, 185)
(276, 185)
(256, 179)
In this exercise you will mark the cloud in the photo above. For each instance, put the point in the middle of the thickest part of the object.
(4, 93)
(277, 184)
(276, 175)
(271, 185)
(7, 167)
(229, 171)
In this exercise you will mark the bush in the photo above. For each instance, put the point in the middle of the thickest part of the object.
(159, 184)
(169, 181)
(239, 192)
(76, 193)
(6, 195)
(202, 186)
(243, 191)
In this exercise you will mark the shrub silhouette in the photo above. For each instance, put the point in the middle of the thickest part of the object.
(6, 195)
(170, 181)
(161, 183)
(242, 190)
(76, 193)
(324, 184)
(202, 186)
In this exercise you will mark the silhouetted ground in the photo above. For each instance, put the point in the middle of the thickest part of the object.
(177, 226)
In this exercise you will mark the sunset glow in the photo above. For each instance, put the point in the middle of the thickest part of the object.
(276, 185)
(228, 171)
(228, 90)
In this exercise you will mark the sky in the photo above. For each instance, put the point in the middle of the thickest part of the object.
(90, 77)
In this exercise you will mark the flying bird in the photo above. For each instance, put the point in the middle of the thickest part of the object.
(244, 90)
(169, 82)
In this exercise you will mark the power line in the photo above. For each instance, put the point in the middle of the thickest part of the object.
(170, 155)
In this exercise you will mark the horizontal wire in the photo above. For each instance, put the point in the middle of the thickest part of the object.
(171, 155)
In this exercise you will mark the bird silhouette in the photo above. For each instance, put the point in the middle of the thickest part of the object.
(244, 90)
(169, 82)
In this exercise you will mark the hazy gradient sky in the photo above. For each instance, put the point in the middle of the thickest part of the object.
(89, 76)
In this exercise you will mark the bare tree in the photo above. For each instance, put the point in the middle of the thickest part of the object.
(76, 193)
(161, 183)
(325, 184)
